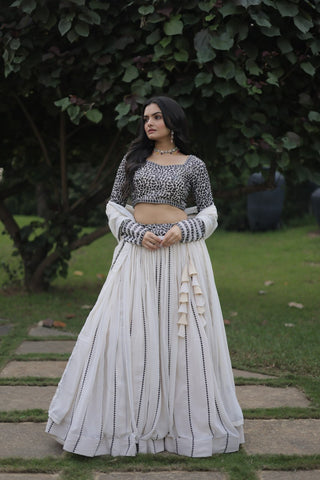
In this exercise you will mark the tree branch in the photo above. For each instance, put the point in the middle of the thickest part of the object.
(36, 280)
(35, 130)
(63, 163)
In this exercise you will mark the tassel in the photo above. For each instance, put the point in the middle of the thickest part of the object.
(181, 331)
(192, 270)
(185, 276)
(183, 320)
(201, 310)
(183, 308)
(197, 290)
(184, 297)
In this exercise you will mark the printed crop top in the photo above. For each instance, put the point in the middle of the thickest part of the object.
(166, 184)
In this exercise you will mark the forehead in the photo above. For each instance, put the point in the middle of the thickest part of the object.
(151, 109)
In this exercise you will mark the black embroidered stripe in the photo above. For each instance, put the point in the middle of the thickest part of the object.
(80, 433)
(51, 425)
(204, 368)
(114, 411)
(227, 437)
(118, 254)
(144, 362)
(188, 389)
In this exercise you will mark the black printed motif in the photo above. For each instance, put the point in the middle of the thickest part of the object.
(165, 184)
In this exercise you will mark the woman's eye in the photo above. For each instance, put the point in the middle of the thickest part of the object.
(158, 117)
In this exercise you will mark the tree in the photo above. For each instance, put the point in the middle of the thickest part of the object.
(246, 71)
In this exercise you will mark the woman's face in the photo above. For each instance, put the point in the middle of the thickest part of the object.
(154, 125)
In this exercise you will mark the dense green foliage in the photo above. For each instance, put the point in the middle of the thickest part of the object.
(77, 71)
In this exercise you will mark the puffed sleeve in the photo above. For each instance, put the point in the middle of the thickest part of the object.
(194, 228)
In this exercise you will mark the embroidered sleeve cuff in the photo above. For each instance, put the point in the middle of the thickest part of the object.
(191, 230)
(132, 232)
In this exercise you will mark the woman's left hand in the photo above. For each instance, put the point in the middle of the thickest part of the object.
(172, 236)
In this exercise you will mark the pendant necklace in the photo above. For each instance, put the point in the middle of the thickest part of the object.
(162, 152)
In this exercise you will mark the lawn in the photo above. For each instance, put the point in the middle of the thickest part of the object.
(258, 276)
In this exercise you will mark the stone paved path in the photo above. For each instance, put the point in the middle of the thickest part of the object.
(28, 440)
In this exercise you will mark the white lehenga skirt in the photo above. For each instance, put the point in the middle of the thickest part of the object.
(151, 370)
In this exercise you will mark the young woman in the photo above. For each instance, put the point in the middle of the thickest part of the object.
(151, 369)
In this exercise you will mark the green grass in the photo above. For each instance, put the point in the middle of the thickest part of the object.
(258, 337)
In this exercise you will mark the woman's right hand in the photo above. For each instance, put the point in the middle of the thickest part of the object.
(150, 241)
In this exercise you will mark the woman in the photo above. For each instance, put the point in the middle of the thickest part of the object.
(151, 369)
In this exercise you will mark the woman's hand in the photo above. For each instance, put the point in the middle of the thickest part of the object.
(151, 241)
(172, 236)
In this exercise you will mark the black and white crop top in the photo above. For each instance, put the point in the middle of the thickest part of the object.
(165, 184)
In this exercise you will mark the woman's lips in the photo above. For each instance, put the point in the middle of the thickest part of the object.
(151, 131)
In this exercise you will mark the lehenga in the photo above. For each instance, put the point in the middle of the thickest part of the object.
(151, 370)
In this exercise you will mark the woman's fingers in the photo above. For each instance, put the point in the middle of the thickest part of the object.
(151, 241)
(172, 236)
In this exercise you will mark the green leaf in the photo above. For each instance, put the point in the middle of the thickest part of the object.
(315, 46)
(225, 88)
(291, 140)
(154, 37)
(269, 139)
(314, 116)
(131, 73)
(271, 31)
(64, 103)
(181, 56)
(221, 41)
(273, 79)
(94, 115)
(64, 25)
(28, 6)
(287, 9)
(206, 6)
(78, 2)
(284, 45)
(145, 10)
(229, 8)
(73, 111)
(261, 19)
(15, 43)
(203, 78)
(252, 159)
(72, 36)
(157, 78)
(284, 160)
(123, 109)
(174, 26)
(308, 68)
(252, 67)
(302, 23)
(202, 45)
(82, 29)
(225, 69)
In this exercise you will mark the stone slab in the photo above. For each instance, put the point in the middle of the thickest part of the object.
(300, 475)
(29, 476)
(51, 369)
(286, 437)
(46, 346)
(23, 397)
(167, 475)
(48, 332)
(5, 329)
(244, 374)
(27, 440)
(260, 396)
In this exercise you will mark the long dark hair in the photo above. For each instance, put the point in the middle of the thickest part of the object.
(142, 147)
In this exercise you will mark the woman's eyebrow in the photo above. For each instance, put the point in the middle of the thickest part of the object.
(152, 115)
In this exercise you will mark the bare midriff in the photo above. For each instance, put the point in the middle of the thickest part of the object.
(158, 213)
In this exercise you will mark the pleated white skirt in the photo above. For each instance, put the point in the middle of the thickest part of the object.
(151, 369)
